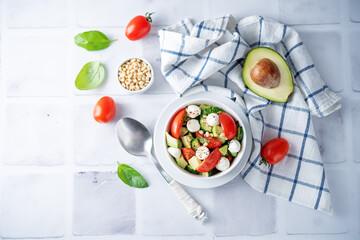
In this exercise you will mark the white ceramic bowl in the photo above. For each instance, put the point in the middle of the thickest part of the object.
(181, 175)
(143, 89)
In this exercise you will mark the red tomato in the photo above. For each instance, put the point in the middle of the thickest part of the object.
(198, 135)
(138, 27)
(177, 123)
(188, 153)
(274, 151)
(210, 162)
(104, 110)
(228, 125)
(230, 158)
(213, 142)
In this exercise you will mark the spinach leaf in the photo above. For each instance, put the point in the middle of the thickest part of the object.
(131, 177)
(92, 40)
(209, 110)
(90, 76)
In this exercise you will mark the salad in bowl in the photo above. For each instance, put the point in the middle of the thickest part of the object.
(204, 139)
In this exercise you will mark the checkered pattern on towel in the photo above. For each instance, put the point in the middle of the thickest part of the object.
(209, 56)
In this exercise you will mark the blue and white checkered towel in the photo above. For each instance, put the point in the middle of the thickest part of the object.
(211, 54)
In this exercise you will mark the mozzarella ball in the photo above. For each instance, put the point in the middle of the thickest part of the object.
(175, 152)
(223, 164)
(193, 125)
(212, 119)
(234, 146)
(193, 111)
(202, 152)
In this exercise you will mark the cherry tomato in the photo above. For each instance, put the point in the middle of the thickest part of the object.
(177, 123)
(228, 125)
(212, 142)
(138, 27)
(188, 153)
(198, 135)
(230, 158)
(104, 110)
(274, 151)
(210, 162)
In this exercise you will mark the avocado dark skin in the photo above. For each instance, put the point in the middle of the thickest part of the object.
(266, 73)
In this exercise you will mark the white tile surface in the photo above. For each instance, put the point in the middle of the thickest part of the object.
(355, 115)
(110, 13)
(301, 220)
(36, 132)
(330, 70)
(97, 144)
(309, 11)
(35, 64)
(36, 13)
(330, 130)
(100, 209)
(32, 205)
(162, 213)
(242, 8)
(355, 60)
(355, 10)
(39, 58)
(253, 213)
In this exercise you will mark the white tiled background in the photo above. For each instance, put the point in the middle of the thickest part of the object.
(58, 166)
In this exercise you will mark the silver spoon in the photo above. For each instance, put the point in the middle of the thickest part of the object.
(136, 140)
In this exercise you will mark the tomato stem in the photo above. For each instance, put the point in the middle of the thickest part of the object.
(148, 16)
(264, 161)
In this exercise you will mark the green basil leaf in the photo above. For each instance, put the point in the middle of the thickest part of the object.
(131, 177)
(90, 76)
(92, 40)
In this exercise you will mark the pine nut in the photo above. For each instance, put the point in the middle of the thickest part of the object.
(134, 74)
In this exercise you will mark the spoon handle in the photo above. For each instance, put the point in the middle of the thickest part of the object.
(193, 208)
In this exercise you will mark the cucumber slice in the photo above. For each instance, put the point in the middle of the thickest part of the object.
(187, 140)
(195, 144)
(183, 131)
(181, 162)
(191, 170)
(233, 154)
(216, 130)
(204, 125)
(203, 140)
(208, 174)
(240, 134)
(172, 142)
(194, 162)
(204, 106)
(224, 150)
(223, 140)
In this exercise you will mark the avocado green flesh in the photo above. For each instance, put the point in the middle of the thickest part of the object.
(280, 93)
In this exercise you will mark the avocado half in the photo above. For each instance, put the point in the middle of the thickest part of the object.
(267, 74)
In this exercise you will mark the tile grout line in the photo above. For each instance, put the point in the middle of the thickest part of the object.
(351, 165)
(71, 168)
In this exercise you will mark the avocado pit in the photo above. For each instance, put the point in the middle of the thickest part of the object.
(266, 73)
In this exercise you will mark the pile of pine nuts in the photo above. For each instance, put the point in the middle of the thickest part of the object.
(134, 74)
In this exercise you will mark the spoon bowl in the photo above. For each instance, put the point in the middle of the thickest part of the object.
(134, 137)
